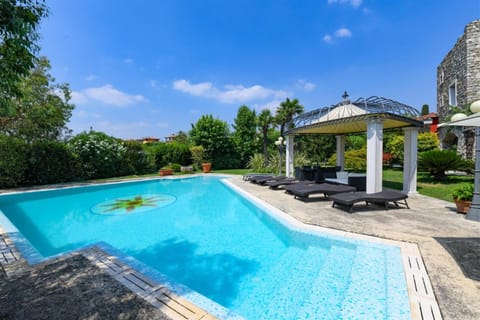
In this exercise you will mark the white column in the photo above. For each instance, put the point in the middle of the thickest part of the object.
(289, 156)
(374, 155)
(410, 160)
(341, 151)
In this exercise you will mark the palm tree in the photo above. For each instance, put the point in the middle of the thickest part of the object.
(286, 111)
(264, 121)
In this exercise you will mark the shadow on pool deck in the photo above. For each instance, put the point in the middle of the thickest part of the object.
(70, 288)
(466, 252)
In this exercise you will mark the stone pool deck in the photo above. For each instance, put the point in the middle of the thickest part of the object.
(73, 287)
(449, 244)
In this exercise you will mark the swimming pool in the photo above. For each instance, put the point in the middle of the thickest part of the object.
(200, 233)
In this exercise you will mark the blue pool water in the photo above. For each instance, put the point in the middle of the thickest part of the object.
(200, 233)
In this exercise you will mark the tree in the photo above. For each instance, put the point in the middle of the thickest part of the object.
(318, 147)
(264, 122)
(245, 133)
(181, 137)
(286, 111)
(214, 136)
(42, 110)
(19, 20)
(425, 109)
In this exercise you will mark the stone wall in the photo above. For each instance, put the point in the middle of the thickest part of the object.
(454, 69)
(461, 65)
(472, 32)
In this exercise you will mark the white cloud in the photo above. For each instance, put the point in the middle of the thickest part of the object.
(305, 85)
(128, 60)
(340, 33)
(106, 94)
(229, 94)
(343, 33)
(353, 3)
(78, 98)
(272, 105)
(91, 77)
(203, 89)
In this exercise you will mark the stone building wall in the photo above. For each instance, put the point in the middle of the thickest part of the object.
(473, 61)
(461, 66)
(453, 69)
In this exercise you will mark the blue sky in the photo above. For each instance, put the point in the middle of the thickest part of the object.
(152, 68)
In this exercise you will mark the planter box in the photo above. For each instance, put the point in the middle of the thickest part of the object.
(463, 206)
(165, 172)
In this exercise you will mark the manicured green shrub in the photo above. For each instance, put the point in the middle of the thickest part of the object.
(100, 155)
(355, 160)
(172, 152)
(51, 162)
(13, 161)
(427, 141)
(395, 147)
(175, 167)
(138, 161)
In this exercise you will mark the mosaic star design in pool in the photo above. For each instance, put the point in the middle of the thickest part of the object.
(133, 204)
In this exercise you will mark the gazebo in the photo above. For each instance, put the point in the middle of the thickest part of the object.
(371, 115)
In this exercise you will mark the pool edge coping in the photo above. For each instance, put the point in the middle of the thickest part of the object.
(423, 303)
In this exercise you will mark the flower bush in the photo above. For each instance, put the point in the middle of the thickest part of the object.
(100, 155)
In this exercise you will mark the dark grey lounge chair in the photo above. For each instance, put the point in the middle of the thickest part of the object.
(381, 198)
(254, 179)
(303, 191)
(249, 176)
(285, 182)
(262, 181)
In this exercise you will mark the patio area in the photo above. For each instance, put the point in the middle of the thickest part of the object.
(449, 244)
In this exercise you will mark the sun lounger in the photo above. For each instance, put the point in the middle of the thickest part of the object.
(254, 179)
(303, 191)
(250, 176)
(381, 198)
(262, 181)
(285, 182)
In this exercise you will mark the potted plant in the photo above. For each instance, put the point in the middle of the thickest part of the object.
(166, 171)
(206, 167)
(462, 196)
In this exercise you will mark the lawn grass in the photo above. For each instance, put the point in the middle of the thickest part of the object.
(233, 171)
(426, 185)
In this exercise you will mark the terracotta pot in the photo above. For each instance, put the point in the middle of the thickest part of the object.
(207, 166)
(462, 205)
(165, 172)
